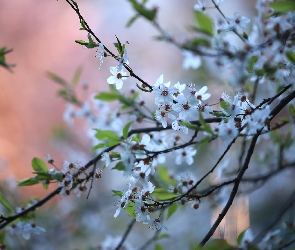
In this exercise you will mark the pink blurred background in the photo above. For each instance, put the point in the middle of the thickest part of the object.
(42, 35)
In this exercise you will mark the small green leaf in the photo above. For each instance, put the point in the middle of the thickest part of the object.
(224, 105)
(88, 45)
(292, 109)
(91, 43)
(42, 176)
(283, 6)
(76, 76)
(39, 165)
(119, 166)
(136, 139)
(163, 236)
(58, 176)
(171, 210)
(291, 56)
(56, 78)
(197, 42)
(164, 176)
(5, 203)
(82, 42)
(205, 126)
(158, 246)
(204, 23)
(106, 135)
(119, 46)
(284, 119)
(107, 96)
(204, 142)
(28, 182)
(83, 27)
(132, 20)
(249, 87)
(117, 193)
(251, 63)
(218, 114)
(190, 125)
(106, 144)
(3, 63)
(44, 185)
(2, 237)
(130, 210)
(240, 237)
(140, 8)
(163, 194)
(126, 129)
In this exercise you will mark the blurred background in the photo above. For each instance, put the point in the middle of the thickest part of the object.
(42, 34)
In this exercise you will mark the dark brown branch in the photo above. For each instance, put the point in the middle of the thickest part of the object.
(128, 230)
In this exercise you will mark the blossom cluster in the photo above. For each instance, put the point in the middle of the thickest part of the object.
(263, 58)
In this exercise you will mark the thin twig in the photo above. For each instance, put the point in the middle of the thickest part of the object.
(128, 230)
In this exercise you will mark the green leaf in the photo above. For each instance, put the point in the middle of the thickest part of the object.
(140, 8)
(107, 96)
(5, 203)
(218, 113)
(291, 56)
(42, 176)
(76, 76)
(283, 6)
(197, 42)
(204, 23)
(91, 43)
(163, 194)
(28, 182)
(119, 46)
(164, 176)
(241, 236)
(82, 42)
(130, 210)
(190, 125)
(39, 165)
(106, 135)
(204, 142)
(88, 45)
(249, 87)
(136, 139)
(132, 20)
(83, 27)
(58, 176)
(205, 126)
(163, 236)
(126, 129)
(56, 78)
(284, 119)
(119, 166)
(106, 144)
(44, 185)
(3, 63)
(117, 193)
(292, 109)
(2, 237)
(171, 210)
(158, 246)
(251, 63)
(224, 105)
